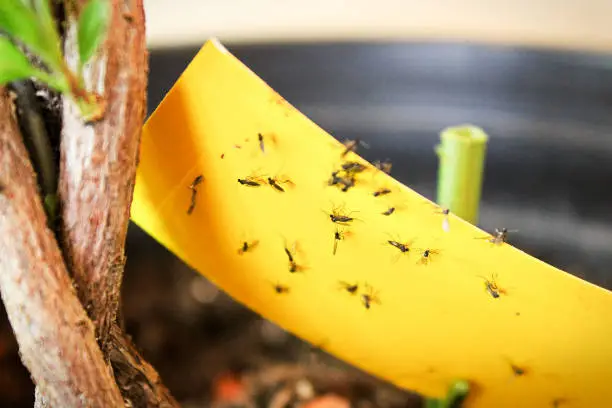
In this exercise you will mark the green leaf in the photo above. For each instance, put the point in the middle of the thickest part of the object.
(13, 64)
(22, 23)
(93, 22)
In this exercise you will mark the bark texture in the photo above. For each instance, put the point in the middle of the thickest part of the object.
(55, 336)
(98, 164)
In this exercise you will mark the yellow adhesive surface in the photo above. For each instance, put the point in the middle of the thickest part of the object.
(545, 341)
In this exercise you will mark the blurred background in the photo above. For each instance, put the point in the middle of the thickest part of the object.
(536, 76)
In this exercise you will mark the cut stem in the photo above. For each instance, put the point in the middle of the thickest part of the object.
(461, 156)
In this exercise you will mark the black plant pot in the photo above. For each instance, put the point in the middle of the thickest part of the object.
(549, 114)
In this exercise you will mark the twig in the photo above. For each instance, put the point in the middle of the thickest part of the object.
(98, 163)
(56, 339)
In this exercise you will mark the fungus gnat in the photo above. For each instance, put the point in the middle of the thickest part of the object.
(384, 166)
(352, 145)
(370, 297)
(351, 288)
(280, 289)
(381, 192)
(194, 192)
(426, 256)
(276, 183)
(247, 246)
(339, 216)
(250, 181)
(262, 145)
(389, 211)
(339, 235)
(353, 167)
(492, 287)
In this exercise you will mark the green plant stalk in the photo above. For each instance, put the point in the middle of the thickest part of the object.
(461, 155)
(457, 392)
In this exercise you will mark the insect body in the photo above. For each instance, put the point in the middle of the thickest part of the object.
(276, 183)
(500, 236)
(293, 266)
(403, 248)
(384, 166)
(280, 289)
(262, 146)
(247, 246)
(250, 181)
(426, 256)
(381, 192)
(370, 297)
(194, 192)
(338, 236)
(389, 211)
(351, 288)
(338, 216)
(492, 287)
(353, 167)
(351, 146)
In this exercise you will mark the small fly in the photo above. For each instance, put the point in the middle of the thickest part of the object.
(247, 246)
(276, 183)
(384, 166)
(381, 192)
(293, 266)
(370, 297)
(426, 256)
(251, 181)
(517, 370)
(492, 287)
(194, 192)
(280, 289)
(403, 248)
(262, 146)
(500, 236)
(352, 145)
(353, 167)
(389, 211)
(351, 288)
(445, 220)
(339, 217)
(339, 235)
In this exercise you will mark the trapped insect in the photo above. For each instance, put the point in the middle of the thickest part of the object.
(389, 211)
(353, 167)
(293, 265)
(339, 235)
(194, 192)
(277, 183)
(352, 145)
(370, 297)
(492, 287)
(499, 237)
(351, 288)
(384, 166)
(381, 192)
(251, 181)
(262, 145)
(247, 246)
(339, 216)
(426, 256)
(280, 289)
(403, 248)
(445, 220)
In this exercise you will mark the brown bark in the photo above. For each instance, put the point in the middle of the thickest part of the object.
(98, 164)
(97, 172)
(56, 338)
